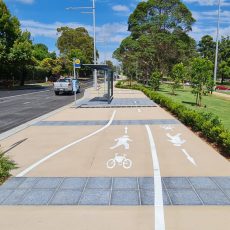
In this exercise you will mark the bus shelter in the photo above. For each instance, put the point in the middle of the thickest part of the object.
(108, 79)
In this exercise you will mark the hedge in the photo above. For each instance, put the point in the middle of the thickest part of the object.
(207, 124)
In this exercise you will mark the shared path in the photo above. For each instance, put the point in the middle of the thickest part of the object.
(126, 165)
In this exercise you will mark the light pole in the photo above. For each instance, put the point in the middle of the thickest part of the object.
(217, 43)
(93, 7)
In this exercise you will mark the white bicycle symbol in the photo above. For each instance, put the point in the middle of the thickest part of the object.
(120, 160)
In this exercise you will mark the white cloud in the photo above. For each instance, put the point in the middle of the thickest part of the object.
(108, 36)
(120, 8)
(26, 1)
(208, 2)
(199, 31)
(212, 15)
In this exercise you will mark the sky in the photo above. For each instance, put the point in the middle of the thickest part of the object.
(43, 17)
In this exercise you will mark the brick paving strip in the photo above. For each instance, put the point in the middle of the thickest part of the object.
(115, 122)
(123, 191)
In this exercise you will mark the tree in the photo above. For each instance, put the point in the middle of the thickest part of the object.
(206, 47)
(9, 32)
(178, 75)
(158, 39)
(201, 76)
(21, 54)
(160, 15)
(224, 70)
(224, 58)
(155, 80)
(75, 39)
(40, 52)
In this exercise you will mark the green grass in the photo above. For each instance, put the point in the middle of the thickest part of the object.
(211, 103)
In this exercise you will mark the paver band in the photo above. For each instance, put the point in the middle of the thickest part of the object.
(123, 191)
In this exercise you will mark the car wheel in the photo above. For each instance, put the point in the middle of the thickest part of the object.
(56, 92)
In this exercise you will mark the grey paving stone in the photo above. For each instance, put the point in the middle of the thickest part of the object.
(74, 183)
(122, 197)
(176, 183)
(95, 197)
(202, 183)
(184, 197)
(38, 197)
(15, 197)
(29, 182)
(48, 182)
(99, 182)
(125, 183)
(66, 197)
(4, 193)
(13, 182)
(213, 197)
(223, 182)
(146, 183)
(227, 191)
(147, 197)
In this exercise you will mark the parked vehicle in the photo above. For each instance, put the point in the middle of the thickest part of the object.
(65, 85)
(222, 87)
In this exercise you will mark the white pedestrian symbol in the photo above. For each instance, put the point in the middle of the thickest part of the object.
(120, 161)
(122, 141)
(167, 127)
(176, 140)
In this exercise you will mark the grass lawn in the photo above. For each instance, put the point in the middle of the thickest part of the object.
(217, 105)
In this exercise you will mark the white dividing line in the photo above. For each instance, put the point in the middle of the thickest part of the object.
(158, 199)
(126, 129)
(23, 173)
(189, 157)
(139, 110)
(24, 94)
(26, 103)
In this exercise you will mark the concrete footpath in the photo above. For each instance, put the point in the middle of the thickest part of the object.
(126, 165)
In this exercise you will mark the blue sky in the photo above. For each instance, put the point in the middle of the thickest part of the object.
(43, 17)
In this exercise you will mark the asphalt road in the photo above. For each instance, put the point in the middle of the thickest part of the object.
(20, 106)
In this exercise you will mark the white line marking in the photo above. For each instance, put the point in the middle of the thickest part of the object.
(158, 199)
(139, 110)
(189, 157)
(25, 94)
(26, 103)
(65, 147)
(126, 129)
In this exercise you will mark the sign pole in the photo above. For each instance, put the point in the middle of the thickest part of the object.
(75, 93)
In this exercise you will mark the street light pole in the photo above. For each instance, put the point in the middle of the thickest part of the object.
(94, 45)
(217, 43)
(94, 36)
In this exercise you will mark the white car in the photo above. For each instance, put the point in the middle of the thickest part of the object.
(65, 85)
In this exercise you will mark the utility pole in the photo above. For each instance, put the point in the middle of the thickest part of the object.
(217, 43)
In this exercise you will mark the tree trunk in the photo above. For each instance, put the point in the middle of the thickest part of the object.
(23, 77)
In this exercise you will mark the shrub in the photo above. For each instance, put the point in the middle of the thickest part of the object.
(209, 125)
(6, 165)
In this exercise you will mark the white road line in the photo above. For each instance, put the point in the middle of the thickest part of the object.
(139, 110)
(158, 199)
(189, 157)
(26, 103)
(23, 173)
(24, 94)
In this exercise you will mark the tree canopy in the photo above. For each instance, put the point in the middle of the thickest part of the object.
(158, 39)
